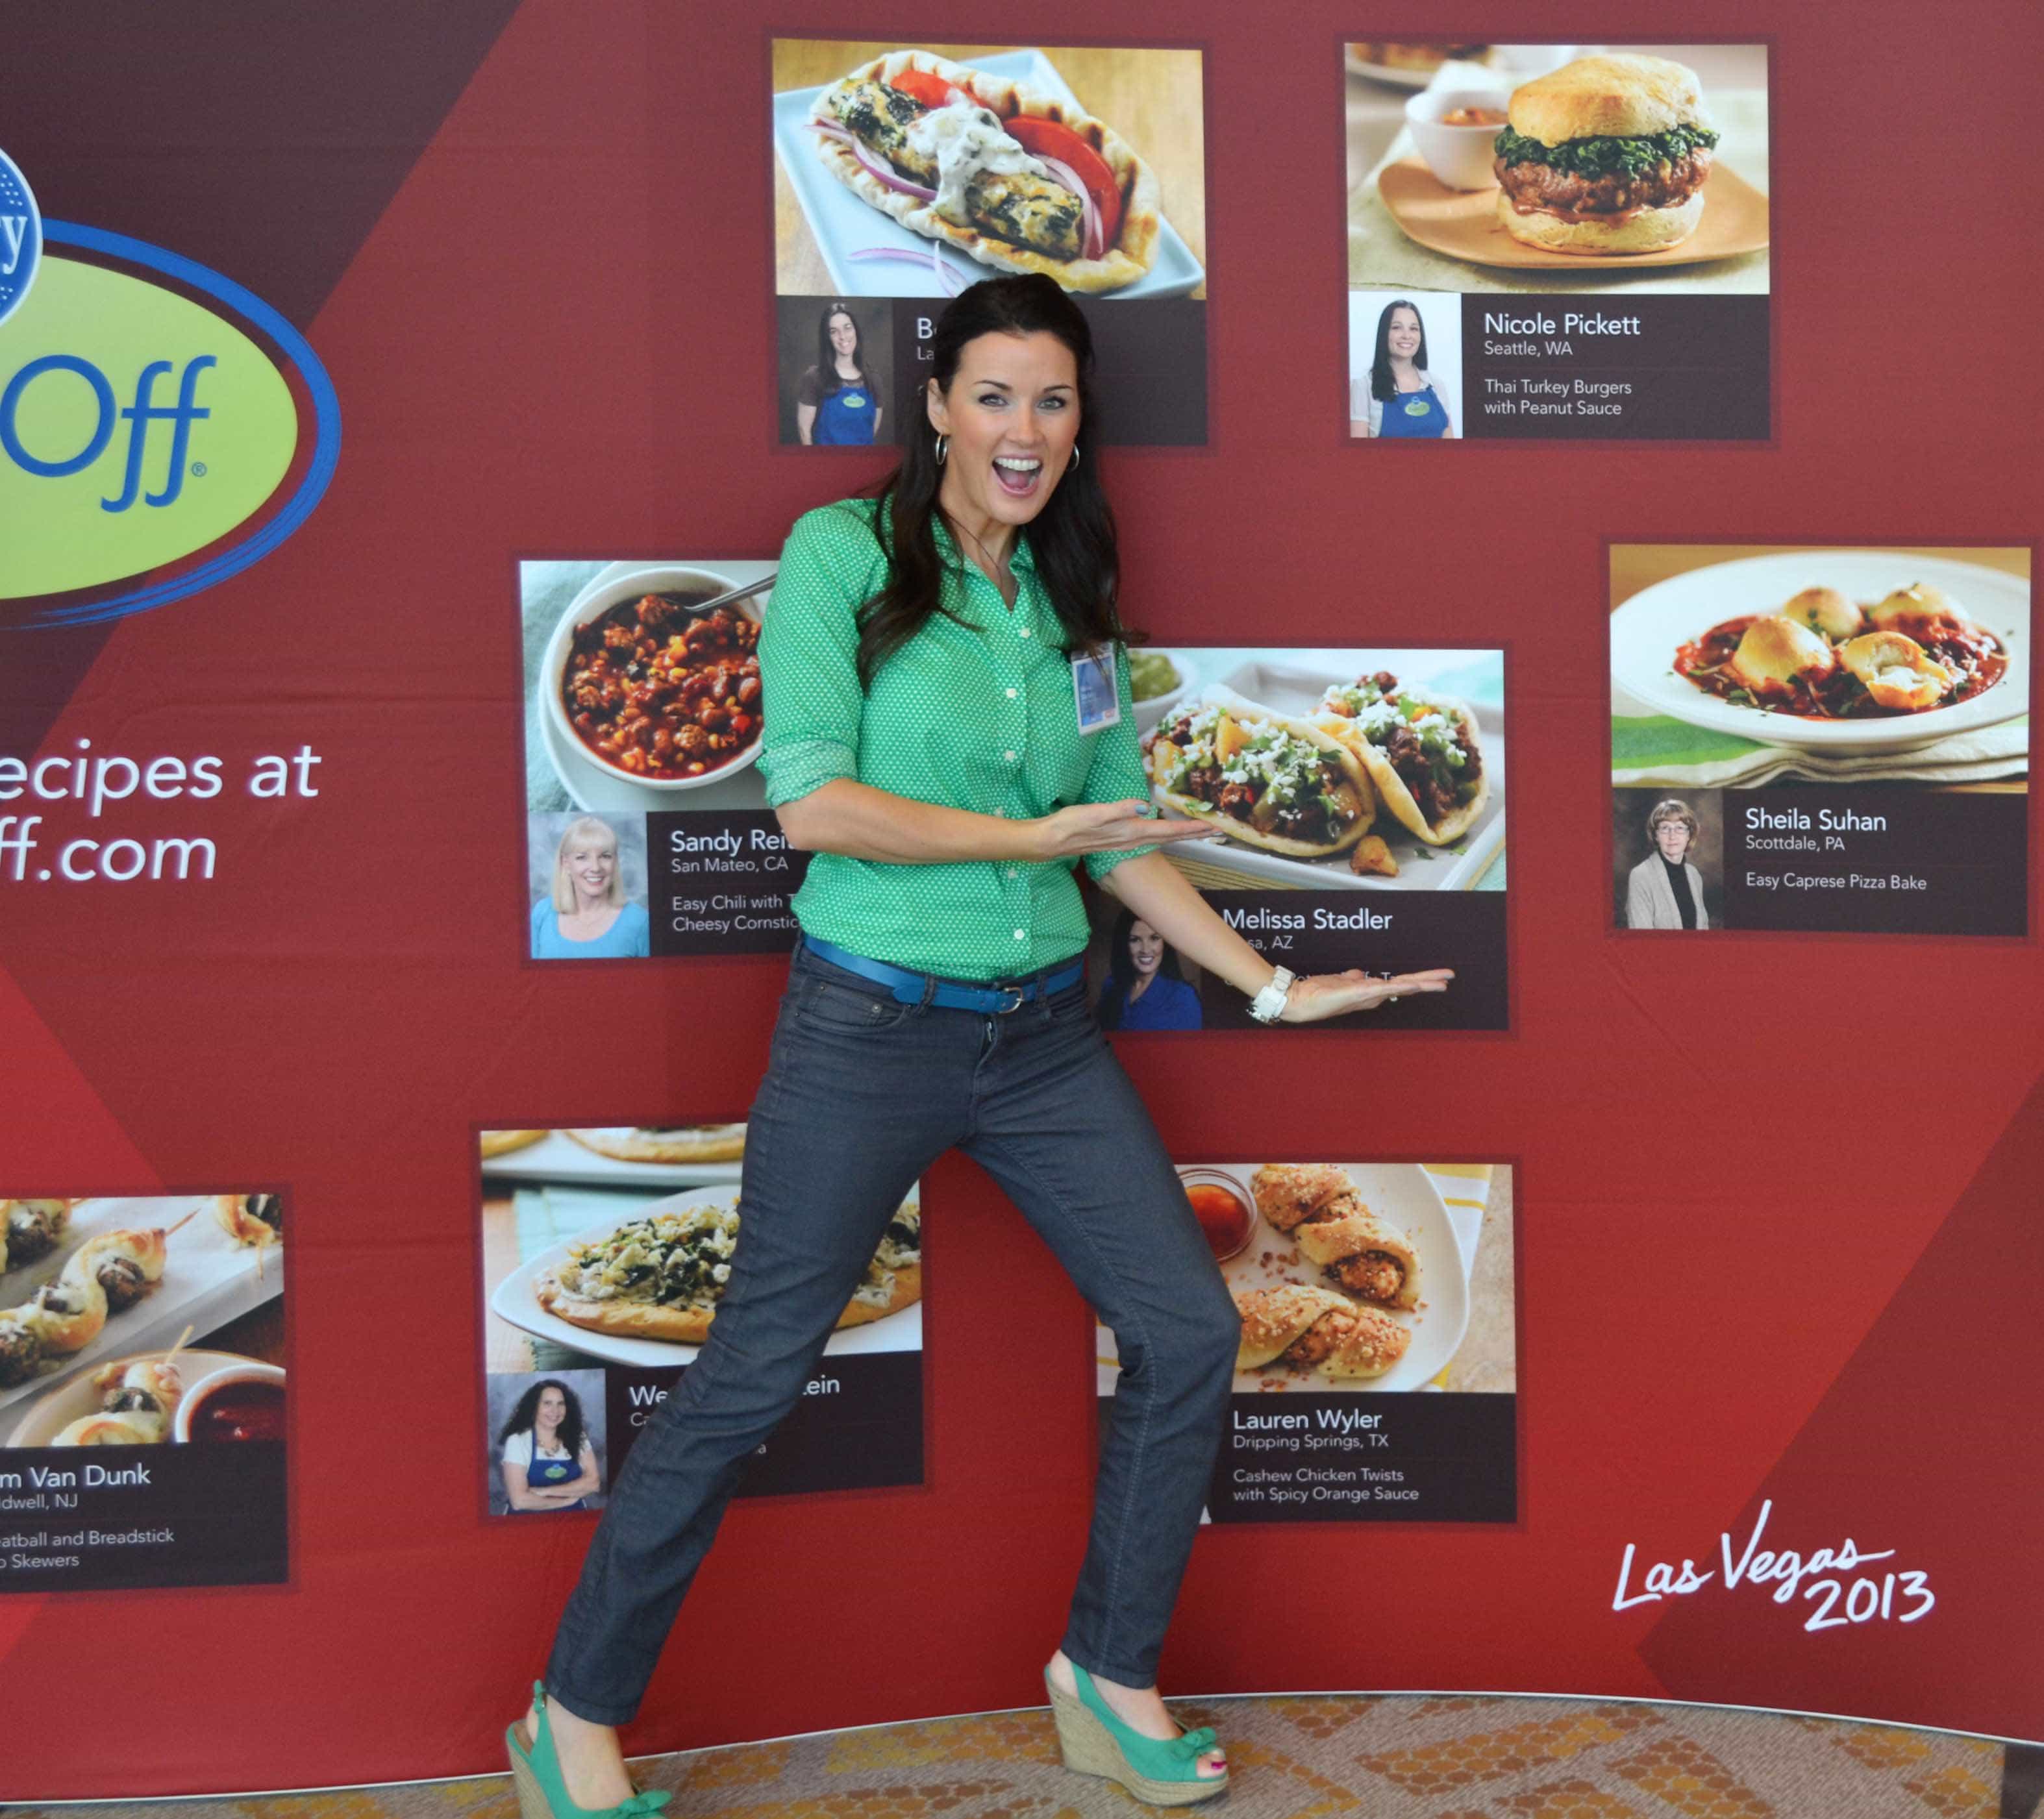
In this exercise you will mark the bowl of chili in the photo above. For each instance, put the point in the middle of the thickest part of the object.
(651, 692)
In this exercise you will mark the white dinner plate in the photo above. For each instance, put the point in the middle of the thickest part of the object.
(517, 1301)
(1647, 629)
(56, 1408)
(1401, 1195)
(208, 1280)
(842, 223)
(558, 1157)
(1291, 682)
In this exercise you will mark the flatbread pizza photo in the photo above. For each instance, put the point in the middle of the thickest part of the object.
(660, 1275)
(668, 1143)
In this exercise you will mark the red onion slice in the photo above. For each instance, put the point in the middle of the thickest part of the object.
(881, 169)
(951, 280)
(1094, 244)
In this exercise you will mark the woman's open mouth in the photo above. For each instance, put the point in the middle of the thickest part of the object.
(1017, 474)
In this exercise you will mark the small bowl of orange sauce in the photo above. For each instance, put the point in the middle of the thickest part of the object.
(1223, 1208)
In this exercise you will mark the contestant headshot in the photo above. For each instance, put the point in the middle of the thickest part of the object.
(587, 914)
(836, 402)
(1403, 401)
(1145, 989)
(543, 1454)
(1665, 889)
(924, 744)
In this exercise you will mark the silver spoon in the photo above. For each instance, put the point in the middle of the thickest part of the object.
(701, 609)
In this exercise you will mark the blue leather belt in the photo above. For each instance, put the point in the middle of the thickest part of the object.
(951, 994)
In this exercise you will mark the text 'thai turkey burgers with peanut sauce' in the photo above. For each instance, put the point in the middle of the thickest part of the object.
(1607, 154)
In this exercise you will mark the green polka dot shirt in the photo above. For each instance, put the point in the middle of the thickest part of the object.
(976, 712)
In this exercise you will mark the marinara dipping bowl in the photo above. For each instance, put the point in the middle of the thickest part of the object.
(674, 717)
(237, 1401)
(1223, 1208)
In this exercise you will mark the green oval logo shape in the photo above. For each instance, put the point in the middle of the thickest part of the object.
(136, 427)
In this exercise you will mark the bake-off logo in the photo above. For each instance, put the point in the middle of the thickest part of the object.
(1828, 1578)
(20, 236)
(151, 412)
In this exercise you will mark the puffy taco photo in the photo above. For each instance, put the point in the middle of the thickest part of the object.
(1266, 779)
(1420, 749)
(1015, 179)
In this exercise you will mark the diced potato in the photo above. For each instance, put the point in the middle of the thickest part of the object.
(1163, 757)
(1229, 738)
(1372, 856)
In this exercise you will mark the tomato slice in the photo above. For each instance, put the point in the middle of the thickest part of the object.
(925, 86)
(1052, 139)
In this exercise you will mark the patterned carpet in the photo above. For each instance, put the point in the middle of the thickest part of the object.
(1293, 1758)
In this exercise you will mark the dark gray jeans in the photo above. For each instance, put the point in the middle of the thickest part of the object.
(861, 1095)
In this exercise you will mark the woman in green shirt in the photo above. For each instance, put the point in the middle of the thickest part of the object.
(931, 740)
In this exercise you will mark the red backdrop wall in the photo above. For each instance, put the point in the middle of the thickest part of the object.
(1775, 1196)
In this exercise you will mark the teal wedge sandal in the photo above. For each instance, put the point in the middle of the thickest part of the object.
(542, 1792)
(1165, 1773)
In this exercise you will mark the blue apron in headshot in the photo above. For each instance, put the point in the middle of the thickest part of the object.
(551, 1474)
(845, 415)
(1414, 414)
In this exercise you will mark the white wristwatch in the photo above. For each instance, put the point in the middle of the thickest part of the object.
(1268, 1005)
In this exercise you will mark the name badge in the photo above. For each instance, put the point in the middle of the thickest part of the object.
(1094, 691)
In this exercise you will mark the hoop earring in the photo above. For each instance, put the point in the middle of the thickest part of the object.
(1075, 454)
(944, 449)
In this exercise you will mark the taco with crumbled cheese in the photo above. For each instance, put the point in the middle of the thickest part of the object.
(1266, 779)
(1009, 175)
(1421, 749)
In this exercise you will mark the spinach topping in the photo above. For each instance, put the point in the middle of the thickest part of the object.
(1605, 157)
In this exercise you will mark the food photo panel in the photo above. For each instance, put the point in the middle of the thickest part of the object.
(1595, 218)
(605, 1253)
(647, 830)
(1831, 740)
(1377, 1376)
(905, 171)
(1360, 798)
(142, 1392)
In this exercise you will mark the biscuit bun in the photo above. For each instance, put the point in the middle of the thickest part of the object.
(1644, 230)
(1621, 96)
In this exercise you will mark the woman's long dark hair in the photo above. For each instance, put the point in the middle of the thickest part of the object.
(827, 379)
(1121, 970)
(1072, 538)
(526, 1417)
(1382, 386)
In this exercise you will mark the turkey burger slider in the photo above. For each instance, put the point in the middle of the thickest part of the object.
(1607, 154)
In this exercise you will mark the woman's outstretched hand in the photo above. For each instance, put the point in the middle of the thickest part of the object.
(1108, 828)
(1323, 995)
